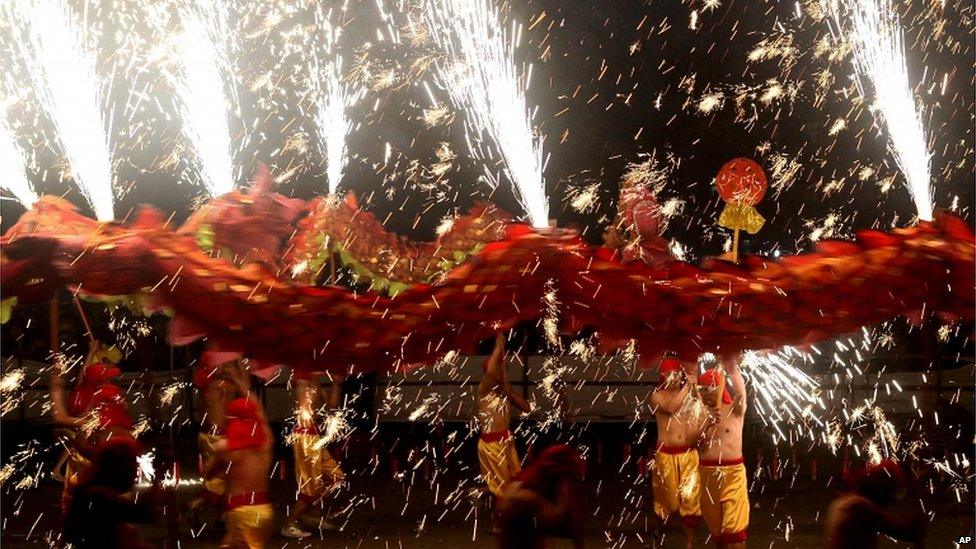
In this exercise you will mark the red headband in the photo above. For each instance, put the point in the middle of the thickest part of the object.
(713, 378)
(668, 366)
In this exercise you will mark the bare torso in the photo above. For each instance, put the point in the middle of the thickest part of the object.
(684, 426)
(723, 440)
(248, 470)
(494, 412)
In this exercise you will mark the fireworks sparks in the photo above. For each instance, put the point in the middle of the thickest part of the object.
(335, 96)
(785, 392)
(62, 69)
(481, 77)
(15, 170)
(201, 86)
(878, 49)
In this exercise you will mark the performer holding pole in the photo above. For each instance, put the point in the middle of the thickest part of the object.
(318, 475)
(245, 455)
(496, 448)
(724, 489)
(680, 422)
(219, 381)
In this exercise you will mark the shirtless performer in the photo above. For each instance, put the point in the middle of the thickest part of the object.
(245, 455)
(316, 472)
(857, 518)
(724, 490)
(496, 447)
(219, 382)
(544, 500)
(679, 425)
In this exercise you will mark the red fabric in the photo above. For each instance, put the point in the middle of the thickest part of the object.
(114, 414)
(244, 433)
(691, 521)
(759, 305)
(714, 378)
(243, 408)
(496, 436)
(204, 375)
(673, 450)
(243, 427)
(79, 399)
(106, 393)
(732, 537)
(97, 373)
(719, 462)
(248, 498)
(668, 366)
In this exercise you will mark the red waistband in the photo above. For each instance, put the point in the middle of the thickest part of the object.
(720, 462)
(306, 430)
(496, 436)
(247, 498)
(673, 450)
(731, 537)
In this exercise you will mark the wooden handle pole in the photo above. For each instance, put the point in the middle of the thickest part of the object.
(735, 246)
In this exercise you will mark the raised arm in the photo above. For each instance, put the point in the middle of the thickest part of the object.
(494, 369)
(739, 397)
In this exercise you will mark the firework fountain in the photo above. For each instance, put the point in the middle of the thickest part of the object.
(334, 97)
(482, 79)
(54, 47)
(875, 36)
(12, 159)
(201, 89)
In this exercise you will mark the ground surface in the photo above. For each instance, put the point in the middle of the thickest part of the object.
(389, 516)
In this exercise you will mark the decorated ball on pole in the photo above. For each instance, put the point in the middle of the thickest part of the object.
(742, 184)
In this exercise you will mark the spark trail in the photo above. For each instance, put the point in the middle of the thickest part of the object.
(481, 77)
(877, 45)
(62, 71)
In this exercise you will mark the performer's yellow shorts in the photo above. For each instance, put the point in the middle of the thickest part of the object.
(499, 461)
(674, 479)
(73, 469)
(316, 472)
(248, 527)
(207, 444)
(725, 500)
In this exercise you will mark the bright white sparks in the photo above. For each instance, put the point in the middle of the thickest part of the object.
(878, 49)
(201, 89)
(63, 73)
(334, 97)
(482, 81)
(14, 168)
(784, 392)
